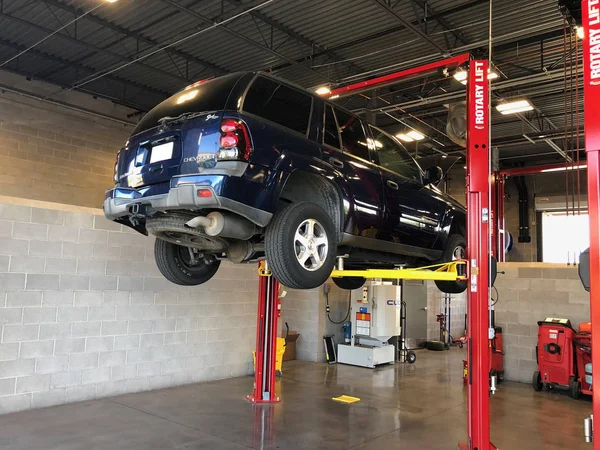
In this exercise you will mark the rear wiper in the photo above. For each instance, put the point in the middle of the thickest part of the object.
(167, 120)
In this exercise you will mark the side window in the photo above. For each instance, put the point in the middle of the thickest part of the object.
(354, 140)
(278, 103)
(393, 156)
(330, 130)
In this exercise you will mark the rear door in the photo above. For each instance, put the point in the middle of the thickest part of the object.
(178, 134)
(363, 178)
(414, 211)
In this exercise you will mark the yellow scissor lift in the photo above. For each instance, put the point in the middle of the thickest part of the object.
(450, 271)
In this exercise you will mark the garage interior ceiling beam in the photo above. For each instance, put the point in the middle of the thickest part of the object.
(55, 59)
(246, 39)
(138, 37)
(315, 47)
(410, 27)
(94, 48)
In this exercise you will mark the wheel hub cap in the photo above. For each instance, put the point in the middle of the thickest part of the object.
(311, 245)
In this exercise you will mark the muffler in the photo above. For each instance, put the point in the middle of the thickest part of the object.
(224, 225)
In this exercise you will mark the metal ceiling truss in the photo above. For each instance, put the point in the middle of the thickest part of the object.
(79, 67)
(138, 37)
(243, 38)
(315, 47)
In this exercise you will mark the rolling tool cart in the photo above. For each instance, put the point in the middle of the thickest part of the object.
(556, 357)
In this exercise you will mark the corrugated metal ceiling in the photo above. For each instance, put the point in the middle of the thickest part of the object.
(309, 42)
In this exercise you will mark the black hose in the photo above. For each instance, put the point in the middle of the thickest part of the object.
(347, 313)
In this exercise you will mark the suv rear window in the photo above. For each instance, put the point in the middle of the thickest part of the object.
(354, 140)
(279, 103)
(211, 95)
(393, 156)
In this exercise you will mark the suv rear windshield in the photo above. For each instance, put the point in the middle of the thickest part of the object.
(211, 95)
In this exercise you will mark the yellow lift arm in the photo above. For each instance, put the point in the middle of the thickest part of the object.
(451, 271)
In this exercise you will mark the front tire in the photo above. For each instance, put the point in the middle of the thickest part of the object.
(456, 248)
(177, 266)
(300, 245)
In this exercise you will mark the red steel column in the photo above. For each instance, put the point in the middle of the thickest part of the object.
(478, 189)
(591, 70)
(266, 338)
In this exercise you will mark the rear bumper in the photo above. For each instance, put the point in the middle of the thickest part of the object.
(182, 194)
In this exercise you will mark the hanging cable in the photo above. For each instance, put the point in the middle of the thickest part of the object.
(577, 130)
(347, 312)
(31, 47)
(565, 112)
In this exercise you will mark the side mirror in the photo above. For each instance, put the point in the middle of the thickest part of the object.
(433, 175)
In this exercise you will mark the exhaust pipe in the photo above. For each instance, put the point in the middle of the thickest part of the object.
(224, 225)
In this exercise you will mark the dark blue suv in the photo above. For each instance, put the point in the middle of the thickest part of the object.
(247, 165)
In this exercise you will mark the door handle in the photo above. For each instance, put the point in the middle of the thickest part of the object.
(392, 184)
(424, 309)
(155, 169)
(336, 163)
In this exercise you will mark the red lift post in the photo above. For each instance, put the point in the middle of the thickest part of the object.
(591, 64)
(478, 252)
(478, 183)
(266, 338)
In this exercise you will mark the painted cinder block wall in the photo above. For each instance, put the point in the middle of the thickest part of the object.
(84, 312)
(529, 293)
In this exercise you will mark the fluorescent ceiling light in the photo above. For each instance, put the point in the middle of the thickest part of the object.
(444, 156)
(323, 90)
(462, 75)
(404, 137)
(562, 169)
(580, 32)
(111, 1)
(514, 107)
(415, 135)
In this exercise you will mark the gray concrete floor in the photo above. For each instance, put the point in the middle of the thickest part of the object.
(402, 407)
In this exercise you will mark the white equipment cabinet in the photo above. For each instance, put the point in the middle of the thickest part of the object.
(375, 318)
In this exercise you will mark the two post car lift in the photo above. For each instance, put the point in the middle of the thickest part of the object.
(478, 241)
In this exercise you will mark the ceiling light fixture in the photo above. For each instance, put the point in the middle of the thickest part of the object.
(514, 107)
(323, 90)
(416, 135)
(404, 137)
(462, 75)
(562, 169)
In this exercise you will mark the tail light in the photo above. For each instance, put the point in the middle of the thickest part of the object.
(116, 176)
(235, 141)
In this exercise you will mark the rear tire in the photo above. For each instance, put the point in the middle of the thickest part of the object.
(349, 283)
(175, 265)
(574, 388)
(456, 248)
(436, 346)
(536, 382)
(411, 357)
(300, 245)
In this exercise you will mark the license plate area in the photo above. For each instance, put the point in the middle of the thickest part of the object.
(162, 152)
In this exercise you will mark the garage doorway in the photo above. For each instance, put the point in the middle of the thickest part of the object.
(564, 236)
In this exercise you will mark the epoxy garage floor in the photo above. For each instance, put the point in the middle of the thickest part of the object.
(401, 407)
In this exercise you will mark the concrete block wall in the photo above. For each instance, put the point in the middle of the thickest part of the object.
(530, 293)
(305, 312)
(84, 313)
(435, 305)
(52, 153)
